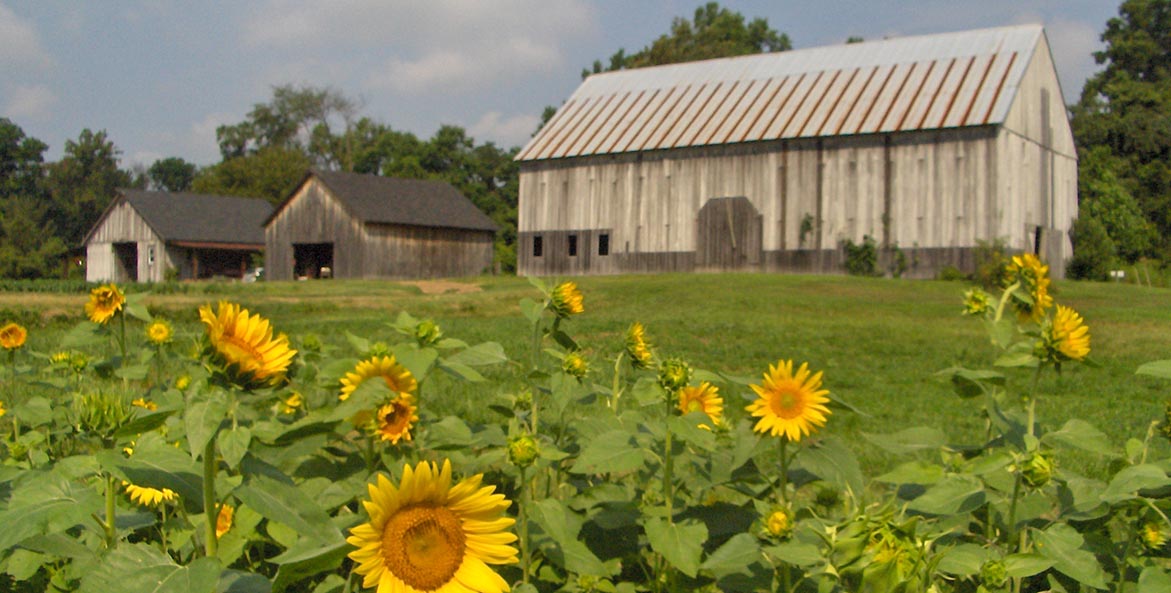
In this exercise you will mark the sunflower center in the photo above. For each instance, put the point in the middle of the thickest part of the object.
(423, 546)
(695, 406)
(788, 402)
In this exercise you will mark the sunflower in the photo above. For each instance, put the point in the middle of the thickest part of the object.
(397, 377)
(1069, 334)
(291, 404)
(395, 419)
(2, 410)
(705, 398)
(427, 535)
(159, 332)
(575, 365)
(789, 405)
(149, 497)
(12, 336)
(1033, 278)
(104, 302)
(976, 302)
(145, 404)
(566, 300)
(637, 347)
(223, 521)
(779, 523)
(244, 343)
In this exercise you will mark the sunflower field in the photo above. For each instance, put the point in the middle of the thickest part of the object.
(136, 456)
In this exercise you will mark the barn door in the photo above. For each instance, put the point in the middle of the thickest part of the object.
(729, 235)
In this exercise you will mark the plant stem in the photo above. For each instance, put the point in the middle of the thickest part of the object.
(122, 338)
(523, 519)
(209, 501)
(110, 527)
(1032, 405)
(668, 493)
(784, 481)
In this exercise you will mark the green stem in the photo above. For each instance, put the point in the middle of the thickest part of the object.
(1016, 492)
(109, 525)
(614, 391)
(1032, 404)
(209, 502)
(668, 462)
(122, 338)
(784, 481)
(523, 519)
(369, 455)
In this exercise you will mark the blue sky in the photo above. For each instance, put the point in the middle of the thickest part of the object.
(160, 75)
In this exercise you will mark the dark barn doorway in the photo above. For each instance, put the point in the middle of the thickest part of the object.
(126, 255)
(312, 260)
(729, 235)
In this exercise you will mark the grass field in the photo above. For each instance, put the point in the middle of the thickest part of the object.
(879, 342)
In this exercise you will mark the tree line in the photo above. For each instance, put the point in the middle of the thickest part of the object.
(1122, 126)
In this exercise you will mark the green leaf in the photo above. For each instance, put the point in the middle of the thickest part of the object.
(733, 557)
(1017, 359)
(284, 503)
(574, 556)
(968, 383)
(36, 411)
(913, 472)
(449, 433)
(958, 494)
(1154, 580)
(83, 336)
(796, 553)
(306, 559)
(45, 504)
(486, 354)
(157, 466)
(462, 371)
(557, 520)
(145, 423)
(910, 440)
(1001, 332)
(1026, 565)
(532, 310)
(1158, 368)
(1062, 544)
(238, 581)
(135, 307)
(141, 568)
(681, 544)
(23, 564)
(1126, 484)
(203, 419)
(612, 452)
(418, 362)
(136, 372)
(688, 430)
(358, 343)
(964, 560)
(233, 444)
(831, 460)
(1080, 434)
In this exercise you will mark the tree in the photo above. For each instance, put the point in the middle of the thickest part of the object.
(83, 183)
(715, 32)
(270, 173)
(1126, 110)
(172, 174)
(302, 118)
(21, 161)
(1105, 198)
(29, 247)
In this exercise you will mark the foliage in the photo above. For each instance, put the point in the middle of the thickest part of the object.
(172, 174)
(271, 173)
(992, 259)
(1094, 253)
(861, 260)
(1105, 198)
(83, 183)
(1126, 110)
(715, 32)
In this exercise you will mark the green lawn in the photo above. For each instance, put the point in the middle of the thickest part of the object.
(879, 342)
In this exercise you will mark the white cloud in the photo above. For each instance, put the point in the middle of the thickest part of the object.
(455, 71)
(505, 132)
(19, 43)
(33, 102)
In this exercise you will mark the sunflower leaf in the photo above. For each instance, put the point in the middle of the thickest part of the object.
(611, 452)
(203, 420)
(306, 559)
(1158, 368)
(283, 503)
(134, 568)
(681, 544)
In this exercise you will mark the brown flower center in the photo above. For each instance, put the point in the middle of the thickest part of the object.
(423, 546)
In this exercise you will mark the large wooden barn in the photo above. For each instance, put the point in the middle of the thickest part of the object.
(772, 162)
(142, 234)
(347, 225)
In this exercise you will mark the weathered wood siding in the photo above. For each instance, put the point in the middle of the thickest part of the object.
(934, 194)
(398, 251)
(123, 225)
(313, 216)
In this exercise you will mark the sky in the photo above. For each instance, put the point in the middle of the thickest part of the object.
(160, 75)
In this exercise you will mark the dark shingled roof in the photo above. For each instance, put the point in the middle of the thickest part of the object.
(200, 217)
(417, 202)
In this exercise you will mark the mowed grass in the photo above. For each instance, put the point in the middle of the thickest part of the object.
(880, 342)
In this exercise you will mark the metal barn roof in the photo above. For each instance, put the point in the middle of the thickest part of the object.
(913, 83)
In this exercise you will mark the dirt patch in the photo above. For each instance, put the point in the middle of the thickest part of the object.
(444, 286)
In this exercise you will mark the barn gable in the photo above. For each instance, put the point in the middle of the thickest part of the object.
(924, 144)
(143, 234)
(348, 225)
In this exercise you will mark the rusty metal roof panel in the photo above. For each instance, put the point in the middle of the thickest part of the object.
(927, 82)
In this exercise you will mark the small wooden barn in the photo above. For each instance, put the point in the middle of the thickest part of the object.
(348, 225)
(774, 162)
(142, 234)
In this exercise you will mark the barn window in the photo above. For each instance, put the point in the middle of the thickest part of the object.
(538, 246)
(572, 245)
(604, 244)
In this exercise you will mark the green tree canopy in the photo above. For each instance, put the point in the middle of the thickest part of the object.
(172, 174)
(21, 161)
(83, 183)
(270, 173)
(306, 118)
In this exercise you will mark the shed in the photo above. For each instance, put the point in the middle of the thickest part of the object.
(142, 234)
(349, 225)
(929, 145)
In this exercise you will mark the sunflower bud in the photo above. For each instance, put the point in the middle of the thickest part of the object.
(779, 523)
(976, 303)
(182, 382)
(637, 347)
(101, 413)
(994, 575)
(1165, 424)
(1037, 469)
(575, 365)
(523, 450)
(311, 343)
(378, 349)
(523, 401)
(427, 332)
(674, 374)
(566, 300)
(1154, 535)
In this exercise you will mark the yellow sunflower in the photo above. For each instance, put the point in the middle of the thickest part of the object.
(397, 377)
(1069, 334)
(104, 302)
(395, 419)
(788, 404)
(2, 410)
(159, 332)
(566, 300)
(976, 302)
(12, 336)
(705, 398)
(1033, 278)
(145, 404)
(637, 347)
(150, 497)
(244, 343)
(575, 365)
(223, 521)
(291, 404)
(779, 522)
(427, 535)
